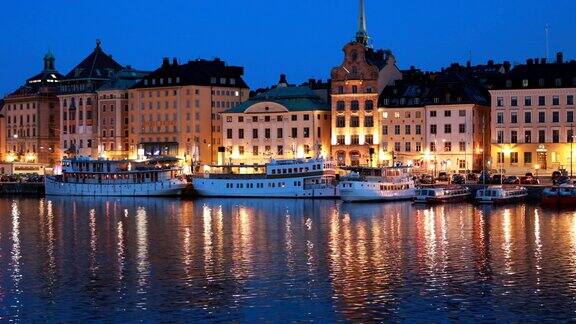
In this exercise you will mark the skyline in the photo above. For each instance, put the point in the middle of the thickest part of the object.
(307, 47)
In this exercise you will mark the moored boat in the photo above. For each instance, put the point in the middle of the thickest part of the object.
(297, 178)
(371, 184)
(437, 195)
(501, 194)
(85, 177)
(564, 194)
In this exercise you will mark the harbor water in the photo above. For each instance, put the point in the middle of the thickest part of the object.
(149, 259)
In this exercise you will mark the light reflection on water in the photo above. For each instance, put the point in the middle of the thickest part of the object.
(250, 260)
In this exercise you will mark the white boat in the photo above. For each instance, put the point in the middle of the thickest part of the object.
(297, 178)
(437, 195)
(370, 184)
(501, 194)
(84, 177)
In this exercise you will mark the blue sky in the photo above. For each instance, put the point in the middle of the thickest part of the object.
(302, 38)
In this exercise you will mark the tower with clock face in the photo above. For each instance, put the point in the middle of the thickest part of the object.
(356, 85)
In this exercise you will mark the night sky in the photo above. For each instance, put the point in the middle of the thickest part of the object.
(302, 38)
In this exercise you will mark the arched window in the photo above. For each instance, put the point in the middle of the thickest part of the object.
(369, 105)
(340, 105)
(354, 105)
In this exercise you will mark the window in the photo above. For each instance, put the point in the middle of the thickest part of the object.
(354, 105)
(418, 129)
(570, 136)
(541, 136)
(527, 117)
(528, 136)
(433, 113)
(369, 105)
(255, 133)
(462, 128)
(558, 82)
(408, 146)
(462, 146)
(267, 133)
(267, 119)
(499, 102)
(500, 137)
(280, 133)
(569, 116)
(241, 150)
(340, 139)
(447, 129)
(433, 129)
(418, 147)
(570, 100)
(355, 140)
(541, 116)
(229, 133)
(354, 121)
(500, 118)
(514, 118)
(555, 117)
(369, 121)
(306, 132)
(384, 130)
(280, 150)
(514, 157)
(500, 157)
(528, 101)
(556, 136)
(447, 113)
(513, 136)
(294, 132)
(462, 113)
(447, 146)
(369, 139)
(514, 102)
(294, 117)
(306, 117)
(525, 83)
(340, 106)
(354, 89)
(527, 157)
(397, 147)
(541, 101)
(407, 129)
(241, 133)
(432, 146)
(556, 101)
(340, 121)
(396, 129)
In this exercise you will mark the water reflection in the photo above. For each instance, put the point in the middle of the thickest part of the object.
(265, 260)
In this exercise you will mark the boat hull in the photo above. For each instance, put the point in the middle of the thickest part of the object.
(443, 200)
(161, 188)
(501, 201)
(354, 195)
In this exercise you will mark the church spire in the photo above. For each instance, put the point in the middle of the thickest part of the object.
(49, 61)
(362, 35)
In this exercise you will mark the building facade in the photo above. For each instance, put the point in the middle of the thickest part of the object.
(435, 122)
(79, 103)
(533, 118)
(356, 84)
(175, 110)
(285, 122)
(113, 122)
(31, 114)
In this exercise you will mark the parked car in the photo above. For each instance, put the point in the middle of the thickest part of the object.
(443, 176)
(458, 179)
(561, 180)
(472, 176)
(427, 179)
(512, 180)
(484, 177)
(529, 174)
(497, 179)
(529, 180)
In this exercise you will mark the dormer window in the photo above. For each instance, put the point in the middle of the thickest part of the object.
(558, 82)
(177, 79)
(525, 83)
(80, 102)
(222, 80)
(508, 83)
(213, 80)
(386, 101)
(436, 100)
(402, 101)
(541, 83)
(161, 81)
(169, 80)
(145, 82)
(153, 81)
(232, 81)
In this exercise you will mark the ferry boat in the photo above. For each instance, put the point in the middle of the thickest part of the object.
(373, 184)
(501, 194)
(564, 194)
(437, 195)
(85, 177)
(296, 178)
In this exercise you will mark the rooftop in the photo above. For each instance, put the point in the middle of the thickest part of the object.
(96, 66)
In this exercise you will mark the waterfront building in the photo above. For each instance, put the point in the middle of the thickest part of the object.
(533, 117)
(435, 122)
(284, 122)
(2, 132)
(175, 110)
(31, 131)
(79, 102)
(356, 84)
(113, 114)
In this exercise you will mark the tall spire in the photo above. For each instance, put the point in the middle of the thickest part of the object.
(362, 35)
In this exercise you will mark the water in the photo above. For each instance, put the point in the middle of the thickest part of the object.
(283, 260)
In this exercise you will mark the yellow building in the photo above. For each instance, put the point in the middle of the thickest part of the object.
(533, 118)
(283, 123)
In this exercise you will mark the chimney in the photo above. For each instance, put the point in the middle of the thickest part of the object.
(165, 62)
(543, 61)
(559, 57)
(529, 61)
(283, 82)
(507, 66)
(174, 61)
